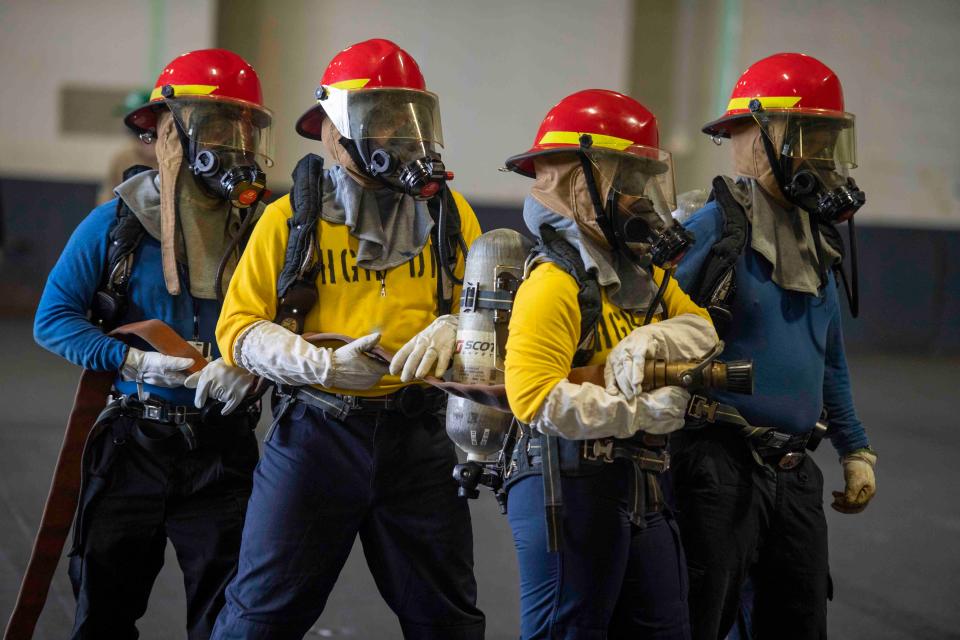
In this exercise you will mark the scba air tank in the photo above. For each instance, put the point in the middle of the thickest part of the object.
(492, 274)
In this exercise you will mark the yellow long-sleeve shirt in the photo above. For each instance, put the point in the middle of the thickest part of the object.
(545, 331)
(350, 300)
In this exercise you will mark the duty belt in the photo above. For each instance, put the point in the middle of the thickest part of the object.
(163, 427)
(156, 410)
(645, 452)
(787, 450)
(411, 401)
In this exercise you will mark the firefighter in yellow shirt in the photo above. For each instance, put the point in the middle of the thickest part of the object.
(371, 248)
(599, 554)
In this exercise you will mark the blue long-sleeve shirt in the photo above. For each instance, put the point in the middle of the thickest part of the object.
(62, 325)
(794, 339)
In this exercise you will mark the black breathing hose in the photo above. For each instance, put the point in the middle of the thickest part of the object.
(442, 238)
(853, 293)
(657, 299)
(246, 215)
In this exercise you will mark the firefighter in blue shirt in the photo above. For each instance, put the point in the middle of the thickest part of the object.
(172, 463)
(765, 264)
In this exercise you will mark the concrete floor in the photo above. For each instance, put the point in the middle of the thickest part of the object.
(896, 567)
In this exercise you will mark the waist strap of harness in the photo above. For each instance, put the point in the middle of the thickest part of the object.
(704, 410)
(411, 401)
(645, 495)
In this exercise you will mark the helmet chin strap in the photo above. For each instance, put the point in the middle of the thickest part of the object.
(190, 152)
(604, 219)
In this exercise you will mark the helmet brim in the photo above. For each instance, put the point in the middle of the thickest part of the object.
(523, 163)
(720, 128)
(310, 124)
(143, 119)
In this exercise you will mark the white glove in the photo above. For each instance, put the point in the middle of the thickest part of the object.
(155, 368)
(432, 346)
(584, 411)
(270, 351)
(860, 481)
(220, 381)
(662, 410)
(685, 337)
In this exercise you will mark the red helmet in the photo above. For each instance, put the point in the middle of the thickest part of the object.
(372, 64)
(613, 121)
(785, 82)
(215, 74)
(618, 136)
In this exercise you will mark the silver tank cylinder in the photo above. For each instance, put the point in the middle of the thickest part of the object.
(495, 261)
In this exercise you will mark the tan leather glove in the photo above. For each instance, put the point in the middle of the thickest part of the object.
(861, 484)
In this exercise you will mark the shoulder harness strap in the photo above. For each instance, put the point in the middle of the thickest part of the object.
(297, 284)
(125, 236)
(716, 284)
(446, 239)
(564, 255)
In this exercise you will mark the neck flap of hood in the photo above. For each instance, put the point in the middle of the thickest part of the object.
(782, 236)
(195, 229)
(391, 227)
(627, 285)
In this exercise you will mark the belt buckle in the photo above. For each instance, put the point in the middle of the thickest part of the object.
(791, 460)
(351, 404)
(776, 439)
(598, 450)
(179, 415)
(701, 407)
(651, 461)
(152, 412)
(666, 462)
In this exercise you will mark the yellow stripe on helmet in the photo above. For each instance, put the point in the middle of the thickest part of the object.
(573, 138)
(769, 102)
(184, 90)
(357, 83)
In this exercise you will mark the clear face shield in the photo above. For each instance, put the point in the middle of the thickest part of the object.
(397, 133)
(640, 198)
(817, 150)
(816, 154)
(225, 143)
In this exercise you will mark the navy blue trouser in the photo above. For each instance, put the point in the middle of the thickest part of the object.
(133, 502)
(610, 579)
(321, 482)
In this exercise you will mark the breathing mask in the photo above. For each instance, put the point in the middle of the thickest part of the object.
(812, 166)
(635, 217)
(222, 142)
(817, 150)
(392, 134)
